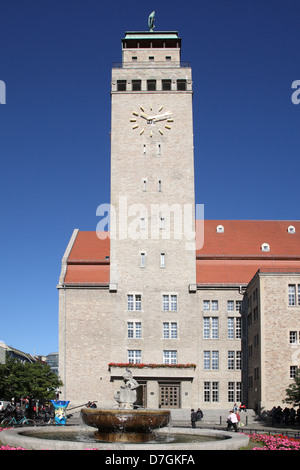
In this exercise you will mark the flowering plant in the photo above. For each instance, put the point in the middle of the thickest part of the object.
(151, 365)
(276, 442)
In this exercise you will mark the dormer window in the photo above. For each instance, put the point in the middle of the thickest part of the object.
(265, 247)
(291, 229)
(220, 229)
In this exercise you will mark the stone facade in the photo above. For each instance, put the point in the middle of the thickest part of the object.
(273, 337)
(150, 296)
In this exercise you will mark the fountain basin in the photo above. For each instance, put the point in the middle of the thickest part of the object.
(125, 425)
(35, 438)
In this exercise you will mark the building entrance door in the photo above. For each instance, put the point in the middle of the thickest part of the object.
(169, 395)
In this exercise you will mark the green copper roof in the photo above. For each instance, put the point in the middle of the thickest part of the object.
(151, 35)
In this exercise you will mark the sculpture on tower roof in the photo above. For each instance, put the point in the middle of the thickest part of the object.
(151, 20)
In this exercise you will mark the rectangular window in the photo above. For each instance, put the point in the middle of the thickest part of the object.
(215, 360)
(181, 84)
(134, 329)
(211, 360)
(234, 391)
(230, 360)
(293, 371)
(134, 302)
(143, 260)
(143, 223)
(234, 328)
(121, 85)
(230, 305)
(136, 85)
(206, 391)
(134, 356)
(238, 360)
(151, 84)
(170, 302)
(170, 330)
(170, 357)
(238, 305)
(162, 223)
(210, 328)
(238, 328)
(206, 305)
(206, 361)
(214, 305)
(230, 328)
(215, 391)
(214, 328)
(211, 392)
(293, 337)
(166, 85)
(162, 260)
(292, 294)
(231, 390)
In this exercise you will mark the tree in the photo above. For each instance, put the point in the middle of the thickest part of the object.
(34, 380)
(293, 391)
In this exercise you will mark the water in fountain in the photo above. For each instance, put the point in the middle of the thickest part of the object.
(125, 423)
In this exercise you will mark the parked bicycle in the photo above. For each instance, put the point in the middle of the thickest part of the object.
(44, 421)
(12, 421)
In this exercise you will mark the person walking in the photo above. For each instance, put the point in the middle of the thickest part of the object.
(193, 418)
(232, 421)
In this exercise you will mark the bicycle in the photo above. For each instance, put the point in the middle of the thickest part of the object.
(42, 422)
(12, 421)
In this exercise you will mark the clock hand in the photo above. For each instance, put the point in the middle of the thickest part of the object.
(161, 117)
(145, 116)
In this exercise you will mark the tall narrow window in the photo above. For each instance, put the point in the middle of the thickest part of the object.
(142, 223)
(159, 185)
(143, 260)
(292, 294)
(162, 260)
(144, 184)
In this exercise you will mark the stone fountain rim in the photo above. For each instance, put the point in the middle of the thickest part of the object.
(125, 411)
(16, 437)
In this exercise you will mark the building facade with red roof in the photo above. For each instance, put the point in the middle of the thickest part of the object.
(171, 299)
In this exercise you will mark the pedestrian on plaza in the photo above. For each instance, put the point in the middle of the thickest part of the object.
(193, 418)
(199, 415)
(292, 416)
(232, 421)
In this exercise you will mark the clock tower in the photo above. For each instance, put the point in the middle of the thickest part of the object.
(152, 247)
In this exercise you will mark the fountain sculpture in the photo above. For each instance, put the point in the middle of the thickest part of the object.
(125, 423)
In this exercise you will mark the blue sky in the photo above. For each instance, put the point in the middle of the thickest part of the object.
(56, 58)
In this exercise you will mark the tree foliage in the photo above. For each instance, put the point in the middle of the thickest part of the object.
(293, 391)
(34, 380)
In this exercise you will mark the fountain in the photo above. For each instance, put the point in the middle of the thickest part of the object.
(125, 423)
(123, 428)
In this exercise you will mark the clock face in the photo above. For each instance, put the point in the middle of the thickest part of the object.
(151, 121)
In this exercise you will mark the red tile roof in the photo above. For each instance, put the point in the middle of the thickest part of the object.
(232, 257)
(88, 261)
